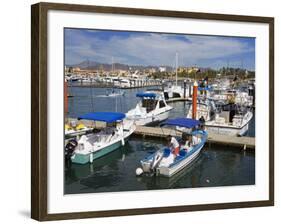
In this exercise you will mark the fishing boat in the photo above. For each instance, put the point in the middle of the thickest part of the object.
(165, 163)
(230, 119)
(152, 108)
(109, 138)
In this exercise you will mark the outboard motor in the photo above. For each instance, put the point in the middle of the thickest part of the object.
(69, 149)
(156, 160)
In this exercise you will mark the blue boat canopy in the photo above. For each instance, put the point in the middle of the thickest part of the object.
(107, 117)
(181, 122)
(150, 95)
(207, 88)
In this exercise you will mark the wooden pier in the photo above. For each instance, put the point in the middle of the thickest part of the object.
(244, 143)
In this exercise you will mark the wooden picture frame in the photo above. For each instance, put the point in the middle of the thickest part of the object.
(39, 107)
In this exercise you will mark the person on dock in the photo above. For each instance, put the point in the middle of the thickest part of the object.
(174, 145)
(202, 123)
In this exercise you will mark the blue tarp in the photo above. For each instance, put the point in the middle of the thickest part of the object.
(181, 122)
(150, 95)
(107, 117)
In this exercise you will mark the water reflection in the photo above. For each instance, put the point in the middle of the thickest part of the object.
(216, 166)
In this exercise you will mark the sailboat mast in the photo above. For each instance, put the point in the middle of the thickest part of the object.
(176, 68)
(112, 65)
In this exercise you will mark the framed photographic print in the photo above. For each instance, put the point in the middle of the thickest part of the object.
(139, 111)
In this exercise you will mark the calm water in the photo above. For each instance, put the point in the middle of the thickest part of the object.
(116, 171)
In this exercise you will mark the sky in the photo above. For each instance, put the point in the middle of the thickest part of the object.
(144, 48)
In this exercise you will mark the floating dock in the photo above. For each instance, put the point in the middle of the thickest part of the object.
(243, 142)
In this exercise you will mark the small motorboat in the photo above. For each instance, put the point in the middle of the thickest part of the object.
(164, 162)
(114, 93)
(105, 140)
(152, 108)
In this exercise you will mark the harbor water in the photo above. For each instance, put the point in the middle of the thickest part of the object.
(116, 171)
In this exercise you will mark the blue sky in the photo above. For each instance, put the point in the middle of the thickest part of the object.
(141, 48)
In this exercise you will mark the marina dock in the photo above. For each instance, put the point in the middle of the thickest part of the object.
(133, 84)
(245, 143)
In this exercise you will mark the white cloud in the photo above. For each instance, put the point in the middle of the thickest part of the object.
(152, 49)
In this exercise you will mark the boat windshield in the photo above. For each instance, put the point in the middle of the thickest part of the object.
(149, 104)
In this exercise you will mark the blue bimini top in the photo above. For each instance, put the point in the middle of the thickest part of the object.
(181, 122)
(107, 117)
(207, 88)
(149, 95)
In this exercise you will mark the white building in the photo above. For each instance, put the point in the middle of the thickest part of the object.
(162, 69)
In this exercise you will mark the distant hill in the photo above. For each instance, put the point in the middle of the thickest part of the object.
(108, 67)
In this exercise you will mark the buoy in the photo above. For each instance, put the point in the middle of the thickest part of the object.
(139, 171)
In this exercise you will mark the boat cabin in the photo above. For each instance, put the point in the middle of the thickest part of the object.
(151, 101)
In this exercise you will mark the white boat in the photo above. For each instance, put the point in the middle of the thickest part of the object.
(95, 145)
(240, 97)
(164, 162)
(205, 108)
(151, 109)
(124, 83)
(230, 119)
(175, 90)
(114, 93)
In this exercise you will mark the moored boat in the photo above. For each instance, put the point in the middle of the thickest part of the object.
(230, 120)
(151, 109)
(164, 162)
(97, 144)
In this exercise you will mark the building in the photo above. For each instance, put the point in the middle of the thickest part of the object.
(162, 69)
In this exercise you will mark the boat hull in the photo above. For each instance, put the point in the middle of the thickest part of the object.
(85, 158)
(170, 171)
(153, 119)
(179, 163)
(228, 130)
